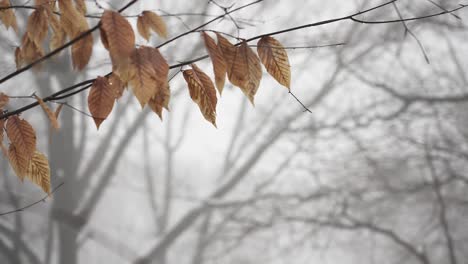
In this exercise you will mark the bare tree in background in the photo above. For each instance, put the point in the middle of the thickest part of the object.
(369, 170)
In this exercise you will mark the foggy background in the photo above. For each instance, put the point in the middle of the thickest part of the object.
(377, 173)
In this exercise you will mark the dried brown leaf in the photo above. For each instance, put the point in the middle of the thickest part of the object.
(82, 51)
(18, 57)
(4, 99)
(219, 64)
(58, 110)
(275, 59)
(7, 16)
(101, 100)
(22, 135)
(38, 26)
(155, 22)
(39, 171)
(117, 85)
(58, 36)
(81, 6)
(18, 161)
(73, 22)
(143, 82)
(50, 115)
(143, 28)
(119, 36)
(160, 100)
(202, 92)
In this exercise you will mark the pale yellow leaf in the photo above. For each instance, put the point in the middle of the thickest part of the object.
(101, 100)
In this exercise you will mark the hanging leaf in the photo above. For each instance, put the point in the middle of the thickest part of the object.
(73, 22)
(37, 27)
(39, 172)
(116, 84)
(19, 163)
(160, 100)
(150, 20)
(50, 115)
(243, 67)
(119, 36)
(58, 34)
(275, 59)
(2, 125)
(149, 71)
(4, 99)
(22, 135)
(30, 51)
(82, 51)
(7, 16)
(202, 92)
(100, 100)
(58, 110)
(81, 6)
(219, 65)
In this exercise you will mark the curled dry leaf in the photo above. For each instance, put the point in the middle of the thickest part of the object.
(22, 135)
(275, 59)
(18, 57)
(119, 37)
(38, 26)
(101, 100)
(7, 16)
(58, 110)
(4, 99)
(39, 171)
(160, 100)
(150, 20)
(219, 64)
(50, 115)
(82, 51)
(202, 92)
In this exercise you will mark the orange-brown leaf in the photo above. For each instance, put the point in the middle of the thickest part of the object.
(18, 161)
(73, 22)
(119, 36)
(243, 67)
(150, 20)
(18, 57)
(202, 92)
(160, 66)
(7, 16)
(143, 81)
(101, 100)
(22, 135)
(275, 59)
(39, 171)
(4, 99)
(160, 100)
(30, 51)
(58, 36)
(117, 85)
(219, 64)
(50, 115)
(38, 27)
(81, 52)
